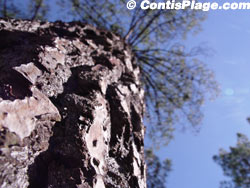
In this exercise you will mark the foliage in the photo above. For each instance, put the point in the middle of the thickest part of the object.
(236, 163)
(157, 171)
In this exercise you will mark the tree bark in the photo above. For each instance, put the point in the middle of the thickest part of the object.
(71, 108)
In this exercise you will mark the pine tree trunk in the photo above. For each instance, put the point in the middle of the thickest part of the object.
(71, 107)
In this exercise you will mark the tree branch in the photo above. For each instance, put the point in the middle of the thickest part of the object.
(37, 8)
(146, 27)
(134, 25)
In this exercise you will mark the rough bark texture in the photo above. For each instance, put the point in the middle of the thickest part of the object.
(71, 108)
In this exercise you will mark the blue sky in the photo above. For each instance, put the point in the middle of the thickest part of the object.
(228, 34)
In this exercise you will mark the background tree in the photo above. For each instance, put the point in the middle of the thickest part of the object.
(157, 171)
(236, 163)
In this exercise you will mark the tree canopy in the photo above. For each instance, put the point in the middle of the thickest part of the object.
(236, 163)
(157, 171)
